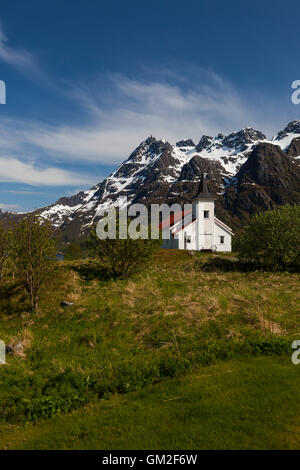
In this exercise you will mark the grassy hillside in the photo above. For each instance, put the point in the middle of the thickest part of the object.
(174, 330)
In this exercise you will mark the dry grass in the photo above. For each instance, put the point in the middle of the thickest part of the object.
(167, 310)
(170, 296)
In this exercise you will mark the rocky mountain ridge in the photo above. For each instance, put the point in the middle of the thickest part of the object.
(248, 172)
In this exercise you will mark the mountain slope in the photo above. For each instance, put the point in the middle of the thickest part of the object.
(268, 177)
(247, 171)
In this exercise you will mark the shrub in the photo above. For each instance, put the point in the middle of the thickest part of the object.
(5, 248)
(122, 257)
(269, 346)
(272, 239)
(33, 250)
(73, 252)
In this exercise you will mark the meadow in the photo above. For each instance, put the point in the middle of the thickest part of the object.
(194, 352)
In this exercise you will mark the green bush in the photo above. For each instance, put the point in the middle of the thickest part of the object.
(73, 252)
(122, 257)
(272, 239)
(51, 405)
(5, 248)
(269, 346)
(33, 249)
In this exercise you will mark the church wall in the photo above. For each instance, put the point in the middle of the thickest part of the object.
(204, 226)
(220, 232)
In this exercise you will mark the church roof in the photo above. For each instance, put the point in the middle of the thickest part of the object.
(224, 226)
(203, 192)
(186, 218)
(173, 219)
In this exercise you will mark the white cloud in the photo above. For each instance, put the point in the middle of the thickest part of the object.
(13, 170)
(126, 111)
(18, 58)
(117, 114)
(26, 192)
(8, 207)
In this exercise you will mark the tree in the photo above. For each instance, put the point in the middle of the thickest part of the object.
(122, 257)
(272, 239)
(5, 248)
(73, 252)
(34, 250)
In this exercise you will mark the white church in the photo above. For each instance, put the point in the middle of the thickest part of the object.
(197, 228)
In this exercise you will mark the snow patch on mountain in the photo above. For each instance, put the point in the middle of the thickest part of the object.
(59, 212)
(285, 137)
(157, 162)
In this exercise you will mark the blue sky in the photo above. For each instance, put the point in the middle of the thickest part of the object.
(88, 80)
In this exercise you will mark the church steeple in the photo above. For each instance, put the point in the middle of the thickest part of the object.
(203, 192)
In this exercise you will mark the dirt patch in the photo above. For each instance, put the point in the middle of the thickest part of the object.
(20, 344)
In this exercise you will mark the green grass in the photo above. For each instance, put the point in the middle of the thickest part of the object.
(250, 404)
(122, 336)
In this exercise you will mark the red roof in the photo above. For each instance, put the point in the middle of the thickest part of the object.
(173, 219)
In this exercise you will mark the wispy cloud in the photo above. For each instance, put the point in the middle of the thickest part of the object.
(118, 112)
(126, 111)
(21, 59)
(25, 192)
(8, 207)
(13, 170)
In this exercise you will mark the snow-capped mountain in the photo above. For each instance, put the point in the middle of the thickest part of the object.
(285, 137)
(158, 171)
